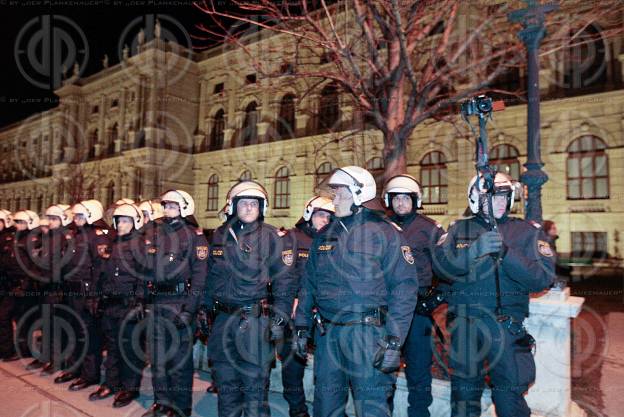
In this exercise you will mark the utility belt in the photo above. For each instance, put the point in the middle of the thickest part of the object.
(257, 309)
(375, 317)
(80, 287)
(168, 288)
(118, 300)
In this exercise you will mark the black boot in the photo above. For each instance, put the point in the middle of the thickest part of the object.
(124, 398)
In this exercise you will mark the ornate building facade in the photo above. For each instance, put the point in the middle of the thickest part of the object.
(167, 117)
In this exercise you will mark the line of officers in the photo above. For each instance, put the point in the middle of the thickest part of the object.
(349, 280)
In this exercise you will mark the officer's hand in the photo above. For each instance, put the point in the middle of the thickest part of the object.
(183, 319)
(138, 312)
(487, 243)
(92, 306)
(388, 356)
(300, 343)
(277, 329)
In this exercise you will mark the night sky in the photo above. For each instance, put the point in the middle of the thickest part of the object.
(28, 80)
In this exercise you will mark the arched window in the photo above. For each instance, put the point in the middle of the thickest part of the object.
(322, 172)
(376, 167)
(286, 119)
(329, 111)
(249, 134)
(218, 127)
(246, 175)
(114, 134)
(433, 178)
(213, 193)
(110, 193)
(93, 140)
(587, 169)
(585, 61)
(282, 189)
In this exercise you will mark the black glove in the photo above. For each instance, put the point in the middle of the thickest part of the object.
(300, 343)
(92, 305)
(184, 319)
(138, 312)
(388, 356)
(487, 243)
(277, 329)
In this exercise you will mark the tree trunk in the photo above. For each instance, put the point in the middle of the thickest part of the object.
(395, 161)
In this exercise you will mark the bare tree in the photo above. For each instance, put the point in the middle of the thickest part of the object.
(400, 62)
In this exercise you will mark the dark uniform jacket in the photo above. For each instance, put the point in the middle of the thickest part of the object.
(422, 233)
(7, 236)
(246, 262)
(527, 265)
(124, 270)
(22, 269)
(176, 259)
(86, 248)
(357, 264)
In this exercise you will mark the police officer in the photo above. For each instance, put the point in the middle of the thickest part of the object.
(249, 267)
(177, 252)
(88, 246)
(152, 214)
(402, 194)
(57, 219)
(122, 289)
(361, 276)
(494, 262)
(23, 272)
(7, 300)
(317, 214)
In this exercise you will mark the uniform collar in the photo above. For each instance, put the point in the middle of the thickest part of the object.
(404, 220)
(306, 228)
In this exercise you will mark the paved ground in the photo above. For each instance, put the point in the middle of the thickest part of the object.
(26, 394)
(597, 384)
(598, 347)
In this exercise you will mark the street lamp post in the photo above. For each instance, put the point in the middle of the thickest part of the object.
(532, 20)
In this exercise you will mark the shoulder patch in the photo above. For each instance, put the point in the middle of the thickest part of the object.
(202, 252)
(535, 224)
(442, 239)
(99, 232)
(407, 254)
(287, 257)
(282, 232)
(68, 236)
(544, 249)
(103, 251)
(199, 232)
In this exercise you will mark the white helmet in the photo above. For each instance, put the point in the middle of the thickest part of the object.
(5, 216)
(30, 217)
(91, 209)
(182, 198)
(246, 188)
(502, 183)
(128, 210)
(124, 201)
(315, 204)
(153, 209)
(61, 211)
(360, 182)
(402, 184)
